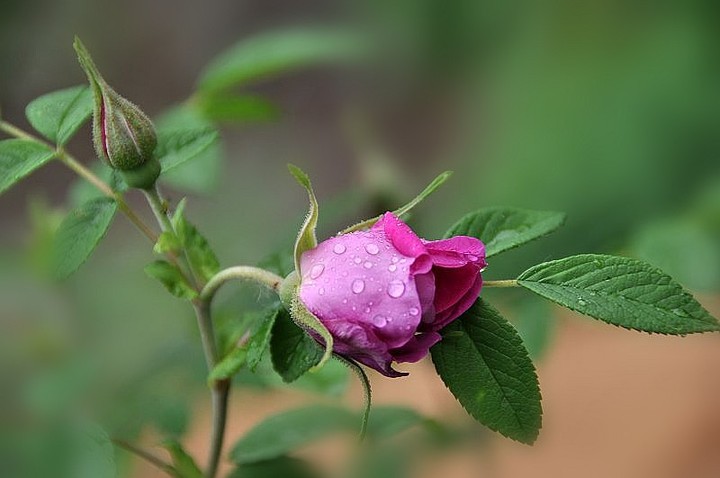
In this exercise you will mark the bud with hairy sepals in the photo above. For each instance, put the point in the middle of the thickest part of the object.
(122, 134)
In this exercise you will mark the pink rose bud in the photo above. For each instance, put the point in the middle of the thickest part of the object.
(123, 135)
(385, 293)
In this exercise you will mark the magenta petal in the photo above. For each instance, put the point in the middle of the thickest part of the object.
(456, 251)
(463, 304)
(417, 348)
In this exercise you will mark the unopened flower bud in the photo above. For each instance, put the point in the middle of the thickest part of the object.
(122, 134)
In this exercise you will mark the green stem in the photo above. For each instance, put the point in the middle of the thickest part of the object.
(159, 208)
(501, 283)
(255, 274)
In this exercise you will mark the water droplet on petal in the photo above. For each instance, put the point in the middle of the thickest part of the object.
(367, 310)
(316, 271)
(368, 265)
(395, 259)
(396, 289)
(357, 260)
(392, 267)
(321, 291)
(358, 286)
(344, 301)
(339, 248)
(379, 320)
(414, 311)
(372, 249)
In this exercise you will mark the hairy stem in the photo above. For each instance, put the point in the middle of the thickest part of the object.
(146, 455)
(255, 274)
(501, 283)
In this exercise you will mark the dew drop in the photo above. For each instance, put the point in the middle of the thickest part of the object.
(316, 271)
(357, 260)
(339, 248)
(367, 310)
(395, 259)
(581, 301)
(392, 267)
(321, 291)
(368, 265)
(372, 249)
(396, 289)
(379, 320)
(344, 301)
(414, 311)
(358, 286)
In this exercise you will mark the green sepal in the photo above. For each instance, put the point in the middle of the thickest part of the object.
(306, 238)
(401, 211)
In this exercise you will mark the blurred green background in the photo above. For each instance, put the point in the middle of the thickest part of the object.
(608, 110)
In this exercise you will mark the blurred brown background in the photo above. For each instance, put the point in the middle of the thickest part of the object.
(609, 110)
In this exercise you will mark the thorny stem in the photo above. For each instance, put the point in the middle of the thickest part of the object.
(77, 167)
(501, 283)
(147, 456)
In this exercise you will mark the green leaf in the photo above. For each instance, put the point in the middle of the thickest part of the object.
(167, 242)
(80, 233)
(248, 353)
(278, 435)
(621, 291)
(58, 115)
(281, 467)
(232, 108)
(504, 228)
(277, 52)
(201, 256)
(483, 362)
(292, 350)
(185, 466)
(96, 455)
(19, 158)
(177, 146)
(401, 211)
(171, 277)
(388, 421)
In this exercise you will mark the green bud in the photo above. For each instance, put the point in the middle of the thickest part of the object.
(123, 135)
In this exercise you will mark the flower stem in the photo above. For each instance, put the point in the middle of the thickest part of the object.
(261, 276)
(501, 283)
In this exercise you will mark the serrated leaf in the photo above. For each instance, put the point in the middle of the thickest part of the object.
(80, 233)
(292, 350)
(171, 277)
(201, 256)
(277, 52)
(504, 228)
(281, 467)
(278, 435)
(248, 353)
(403, 210)
(184, 465)
(233, 108)
(58, 115)
(167, 242)
(178, 146)
(483, 362)
(19, 158)
(621, 291)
